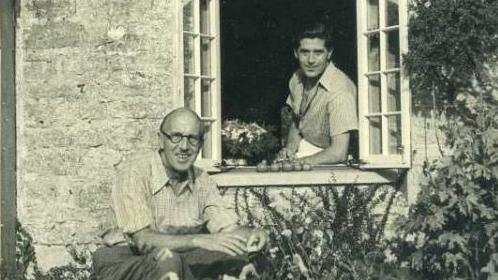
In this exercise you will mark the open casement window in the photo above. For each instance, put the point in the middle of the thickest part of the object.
(201, 71)
(383, 92)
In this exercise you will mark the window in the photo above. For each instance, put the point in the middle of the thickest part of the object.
(201, 83)
(383, 95)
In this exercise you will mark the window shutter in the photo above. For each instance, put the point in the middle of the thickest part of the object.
(383, 90)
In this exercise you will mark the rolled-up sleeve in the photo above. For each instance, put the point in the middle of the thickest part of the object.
(130, 203)
(217, 211)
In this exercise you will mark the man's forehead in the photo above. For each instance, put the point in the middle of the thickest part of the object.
(312, 43)
(182, 122)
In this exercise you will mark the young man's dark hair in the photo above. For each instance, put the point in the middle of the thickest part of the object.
(315, 30)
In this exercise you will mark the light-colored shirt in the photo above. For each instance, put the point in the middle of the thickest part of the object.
(143, 197)
(330, 108)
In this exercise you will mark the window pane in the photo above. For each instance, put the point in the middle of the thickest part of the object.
(392, 12)
(204, 16)
(205, 56)
(208, 142)
(206, 98)
(189, 93)
(373, 14)
(188, 54)
(393, 92)
(375, 125)
(394, 125)
(373, 52)
(392, 49)
(188, 15)
(374, 94)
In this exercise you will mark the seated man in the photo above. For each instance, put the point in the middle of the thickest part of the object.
(323, 102)
(162, 203)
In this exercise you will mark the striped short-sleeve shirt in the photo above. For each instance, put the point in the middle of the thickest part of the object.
(143, 197)
(330, 109)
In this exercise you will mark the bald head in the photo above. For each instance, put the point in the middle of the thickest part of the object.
(183, 115)
(181, 139)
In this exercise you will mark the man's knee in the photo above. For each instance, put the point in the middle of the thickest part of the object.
(168, 265)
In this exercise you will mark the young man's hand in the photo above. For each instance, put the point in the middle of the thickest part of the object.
(286, 154)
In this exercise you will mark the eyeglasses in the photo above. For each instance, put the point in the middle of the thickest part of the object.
(177, 138)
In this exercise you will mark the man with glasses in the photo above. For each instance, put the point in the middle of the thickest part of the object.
(173, 216)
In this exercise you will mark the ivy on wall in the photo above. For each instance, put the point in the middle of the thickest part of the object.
(451, 45)
(452, 230)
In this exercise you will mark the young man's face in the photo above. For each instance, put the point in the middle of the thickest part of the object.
(313, 56)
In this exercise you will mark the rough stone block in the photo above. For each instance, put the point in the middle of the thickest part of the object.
(56, 161)
(51, 8)
(55, 35)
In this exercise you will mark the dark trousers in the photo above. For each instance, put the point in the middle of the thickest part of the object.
(119, 263)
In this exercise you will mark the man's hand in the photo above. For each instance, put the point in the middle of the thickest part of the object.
(228, 243)
(257, 240)
(286, 154)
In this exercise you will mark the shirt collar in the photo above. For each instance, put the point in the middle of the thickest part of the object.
(326, 80)
(160, 178)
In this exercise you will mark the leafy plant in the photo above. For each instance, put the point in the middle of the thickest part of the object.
(451, 43)
(27, 265)
(323, 233)
(452, 230)
(455, 220)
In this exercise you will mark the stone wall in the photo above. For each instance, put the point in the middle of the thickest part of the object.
(94, 78)
(426, 141)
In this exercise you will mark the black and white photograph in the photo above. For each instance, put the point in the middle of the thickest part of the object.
(248, 139)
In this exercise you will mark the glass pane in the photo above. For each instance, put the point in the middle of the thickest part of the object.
(189, 93)
(373, 14)
(204, 16)
(392, 12)
(207, 150)
(206, 98)
(374, 94)
(188, 15)
(392, 49)
(393, 92)
(394, 141)
(375, 135)
(188, 54)
(373, 52)
(205, 56)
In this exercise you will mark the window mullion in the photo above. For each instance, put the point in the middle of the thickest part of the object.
(405, 97)
(214, 8)
(361, 11)
(383, 77)
(197, 57)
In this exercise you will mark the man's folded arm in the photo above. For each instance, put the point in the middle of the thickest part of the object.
(230, 243)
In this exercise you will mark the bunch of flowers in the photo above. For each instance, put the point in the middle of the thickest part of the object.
(250, 141)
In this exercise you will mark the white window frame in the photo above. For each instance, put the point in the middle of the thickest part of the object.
(383, 160)
(215, 90)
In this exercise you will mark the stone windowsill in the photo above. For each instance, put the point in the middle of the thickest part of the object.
(319, 176)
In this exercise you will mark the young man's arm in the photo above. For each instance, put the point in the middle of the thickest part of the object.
(293, 140)
(337, 151)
